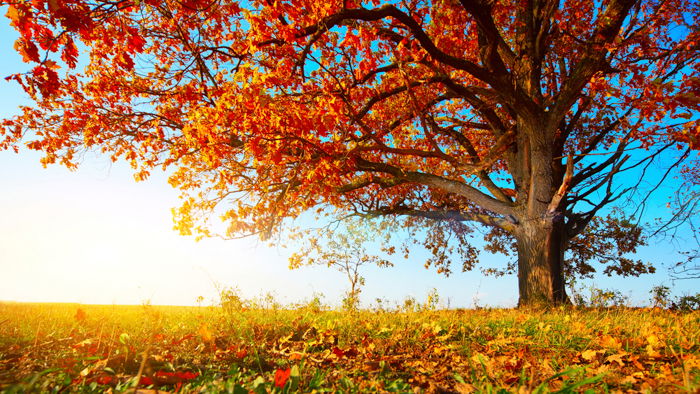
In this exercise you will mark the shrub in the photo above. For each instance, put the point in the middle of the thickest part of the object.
(687, 303)
(660, 296)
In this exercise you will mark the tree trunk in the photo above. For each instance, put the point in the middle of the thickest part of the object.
(541, 244)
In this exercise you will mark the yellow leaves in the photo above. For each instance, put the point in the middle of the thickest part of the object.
(297, 260)
(205, 334)
(633, 378)
(441, 350)
(385, 331)
(578, 326)
(610, 342)
(487, 348)
(617, 358)
(653, 343)
(591, 355)
(653, 340)
(480, 358)
(432, 329)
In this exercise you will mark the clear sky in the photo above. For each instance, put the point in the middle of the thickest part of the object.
(97, 236)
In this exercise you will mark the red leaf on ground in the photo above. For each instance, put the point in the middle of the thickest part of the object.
(282, 376)
(339, 353)
(105, 379)
(183, 339)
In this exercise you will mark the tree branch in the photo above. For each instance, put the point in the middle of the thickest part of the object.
(593, 60)
(505, 224)
(447, 185)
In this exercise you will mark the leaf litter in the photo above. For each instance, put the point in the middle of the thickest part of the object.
(191, 349)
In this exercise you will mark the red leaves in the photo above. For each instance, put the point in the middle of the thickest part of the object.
(282, 376)
(238, 352)
(46, 80)
(125, 61)
(105, 379)
(351, 352)
(135, 42)
(338, 352)
(70, 53)
(183, 339)
(28, 50)
(168, 378)
(214, 72)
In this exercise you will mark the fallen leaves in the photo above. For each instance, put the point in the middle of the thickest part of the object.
(590, 355)
(287, 351)
(281, 377)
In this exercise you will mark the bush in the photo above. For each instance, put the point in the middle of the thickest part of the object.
(432, 300)
(687, 303)
(231, 300)
(600, 298)
(660, 296)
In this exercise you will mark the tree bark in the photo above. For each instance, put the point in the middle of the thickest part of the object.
(541, 244)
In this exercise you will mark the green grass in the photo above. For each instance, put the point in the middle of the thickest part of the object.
(54, 347)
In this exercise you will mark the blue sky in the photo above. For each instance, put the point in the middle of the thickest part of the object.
(97, 236)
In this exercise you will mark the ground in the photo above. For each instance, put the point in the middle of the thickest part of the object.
(96, 348)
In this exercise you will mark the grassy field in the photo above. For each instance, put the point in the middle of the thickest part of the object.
(97, 348)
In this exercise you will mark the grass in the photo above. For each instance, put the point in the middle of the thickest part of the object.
(95, 348)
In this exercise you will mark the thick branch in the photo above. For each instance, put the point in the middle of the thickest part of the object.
(499, 51)
(388, 10)
(472, 194)
(564, 187)
(461, 216)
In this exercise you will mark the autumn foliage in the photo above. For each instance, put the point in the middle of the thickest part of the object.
(206, 349)
(518, 117)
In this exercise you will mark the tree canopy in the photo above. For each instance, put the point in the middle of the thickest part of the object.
(522, 118)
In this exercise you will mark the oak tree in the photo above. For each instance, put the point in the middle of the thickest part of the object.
(525, 119)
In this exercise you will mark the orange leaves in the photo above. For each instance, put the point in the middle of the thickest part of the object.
(205, 334)
(290, 350)
(13, 14)
(610, 342)
(630, 357)
(80, 315)
(273, 104)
